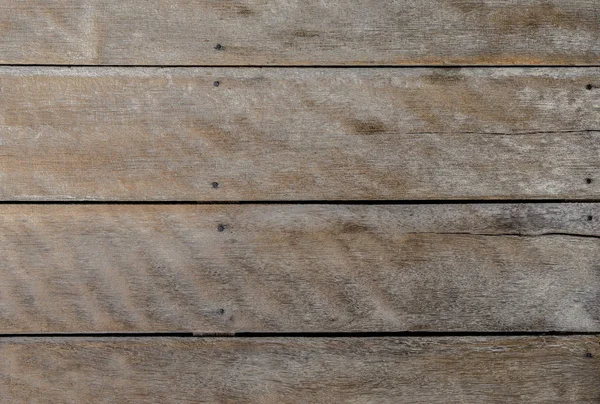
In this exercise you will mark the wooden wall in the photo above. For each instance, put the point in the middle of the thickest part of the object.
(267, 201)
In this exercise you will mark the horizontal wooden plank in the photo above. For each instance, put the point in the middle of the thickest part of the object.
(290, 268)
(299, 134)
(311, 32)
(292, 370)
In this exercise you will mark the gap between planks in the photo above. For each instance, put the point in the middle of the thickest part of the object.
(361, 334)
(399, 67)
(316, 202)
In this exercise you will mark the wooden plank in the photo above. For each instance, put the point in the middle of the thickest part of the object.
(311, 32)
(290, 268)
(300, 370)
(300, 134)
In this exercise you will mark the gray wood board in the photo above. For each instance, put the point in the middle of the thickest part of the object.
(298, 134)
(299, 268)
(316, 370)
(310, 32)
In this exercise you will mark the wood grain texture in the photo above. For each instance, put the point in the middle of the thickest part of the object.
(308, 32)
(298, 134)
(315, 370)
(290, 268)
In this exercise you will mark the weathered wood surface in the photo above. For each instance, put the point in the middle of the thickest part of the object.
(298, 134)
(291, 370)
(294, 268)
(288, 32)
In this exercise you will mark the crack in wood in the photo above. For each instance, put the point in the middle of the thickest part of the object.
(508, 234)
(540, 132)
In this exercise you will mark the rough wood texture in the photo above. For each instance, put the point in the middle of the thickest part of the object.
(308, 32)
(320, 370)
(298, 134)
(299, 268)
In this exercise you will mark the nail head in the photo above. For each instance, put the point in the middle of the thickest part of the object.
(221, 228)
(216, 84)
(215, 185)
(218, 46)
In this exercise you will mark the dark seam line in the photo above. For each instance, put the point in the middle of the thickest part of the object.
(332, 66)
(366, 334)
(316, 202)
(524, 235)
(362, 334)
(537, 132)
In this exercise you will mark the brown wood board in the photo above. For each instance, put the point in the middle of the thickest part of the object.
(299, 268)
(145, 134)
(300, 370)
(309, 32)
